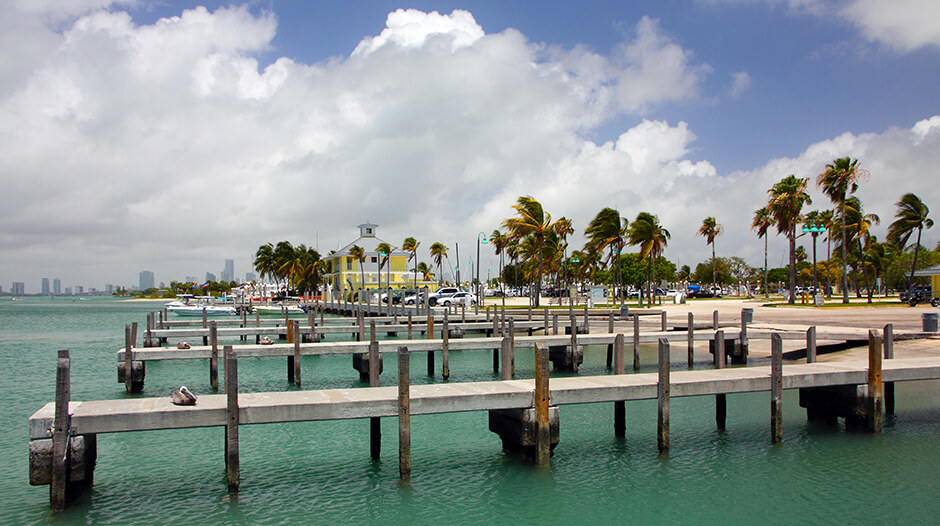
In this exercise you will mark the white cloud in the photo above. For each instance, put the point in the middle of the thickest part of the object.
(169, 147)
(904, 25)
(740, 82)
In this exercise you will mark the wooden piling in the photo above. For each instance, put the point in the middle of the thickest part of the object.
(375, 423)
(231, 419)
(620, 407)
(715, 320)
(555, 323)
(610, 346)
(506, 358)
(529, 315)
(128, 360)
(811, 344)
(636, 342)
(61, 435)
(205, 339)
(662, 395)
(889, 354)
(445, 350)
(721, 400)
(214, 357)
(404, 415)
(409, 326)
(512, 345)
(663, 321)
(543, 437)
(776, 388)
(545, 322)
(297, 339)
(587, 325)
(430, 335)
(691, 339)
(875, 387)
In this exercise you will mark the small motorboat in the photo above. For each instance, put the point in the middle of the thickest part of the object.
(275, 310)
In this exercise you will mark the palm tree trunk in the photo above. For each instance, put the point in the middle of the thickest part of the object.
(538, 278)
(910, 280)
(845, 283)
(766, 290)
(828, 262)
(714, 267)
(861, 254)
(792, 241)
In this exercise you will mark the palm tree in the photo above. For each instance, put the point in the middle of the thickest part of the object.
(532, 222)
(857, 231)
(411, 245)
(359, 255)
(710, 229)
(762, 222)
(383, 253)
(439, 253)
(305, 269)
(264, 260)
(500, 241)
(836, 181)
(825, 220)
(607, 231)
(911, 215)
(787, 198)
(425, 270)
(652, 239)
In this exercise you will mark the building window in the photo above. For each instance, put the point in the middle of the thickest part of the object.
(375, 259)
(348, 264)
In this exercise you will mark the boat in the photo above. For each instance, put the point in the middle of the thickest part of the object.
(197, 310)
(269, 310)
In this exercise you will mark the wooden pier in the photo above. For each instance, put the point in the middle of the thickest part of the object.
(522, 412)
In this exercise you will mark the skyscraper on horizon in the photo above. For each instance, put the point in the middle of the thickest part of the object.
(229, 273)
(57, 286)
(19, 288)
(45, 286)
(146, 280)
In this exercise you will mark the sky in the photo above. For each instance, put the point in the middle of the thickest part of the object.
(172, 135)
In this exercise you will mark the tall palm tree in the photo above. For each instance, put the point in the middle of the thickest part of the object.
(856, 234)
(383, 253)
(787, 198)
(283, 254)
(912, 214)
(652, 238)
(825, 220)
(763, 220)
(836, 181)
(499, 242)
(608, 230)
(438, 254)
(356, 252)
(710, 229)
(411, 245)
(264, 261)
(533, 222)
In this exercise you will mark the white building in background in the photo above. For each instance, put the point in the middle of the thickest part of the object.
(146, 280)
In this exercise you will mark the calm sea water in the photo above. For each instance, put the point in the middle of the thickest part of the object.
(321, 472)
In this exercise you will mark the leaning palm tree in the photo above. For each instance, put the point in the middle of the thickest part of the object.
(533, 222)
(608, 230)
(856, 234)
(425, 270)
(911, 215)
(837, 181)
(411, 245)
(652, 238)
(439, 253)
(383, 253)
(359, 255)
(762, 222)
(786, 201)
(710, 229)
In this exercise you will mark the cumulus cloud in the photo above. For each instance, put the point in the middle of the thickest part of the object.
(740, 82)
(170, 147)
(904, 25)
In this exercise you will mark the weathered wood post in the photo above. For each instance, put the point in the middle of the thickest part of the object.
(663, 321)
(244, 324)
(488, 315)
(587, 325)
(375, 424)
(691, 338)
(573, 354)
(409, 326)
(620, 406)
(545, 323)
(314, 337)
(610, 346)
(555, 323)
(61, 433)
(636, 342)
(543, 438)
(742, 340)
(512, 344)
(662, 395)
(231, 419)
(257, 326)
(404, 415)
(205, 325)
(502, 323)
(776, 388)
(507, 358)
(529, 315)
(445, 351)
(715, 320)
(291, 337)
(296, 360)
(214, 357)
(721, 399)
(811, 344)
(362, 324)
(147, 341)
(889, 354)
(875, 401)
(430, 335)
(463, 312)
(128, 360)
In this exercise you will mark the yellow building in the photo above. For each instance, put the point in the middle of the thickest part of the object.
(345, 275)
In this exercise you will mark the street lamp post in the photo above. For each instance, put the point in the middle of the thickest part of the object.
(484, 241)
(815, 231)
(575, 260)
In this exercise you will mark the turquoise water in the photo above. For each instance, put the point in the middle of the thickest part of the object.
(320, 472)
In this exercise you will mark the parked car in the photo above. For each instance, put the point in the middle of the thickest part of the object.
(464, 298)
(441, 293)
(410, 298)
(919, 294)
(917, 291)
